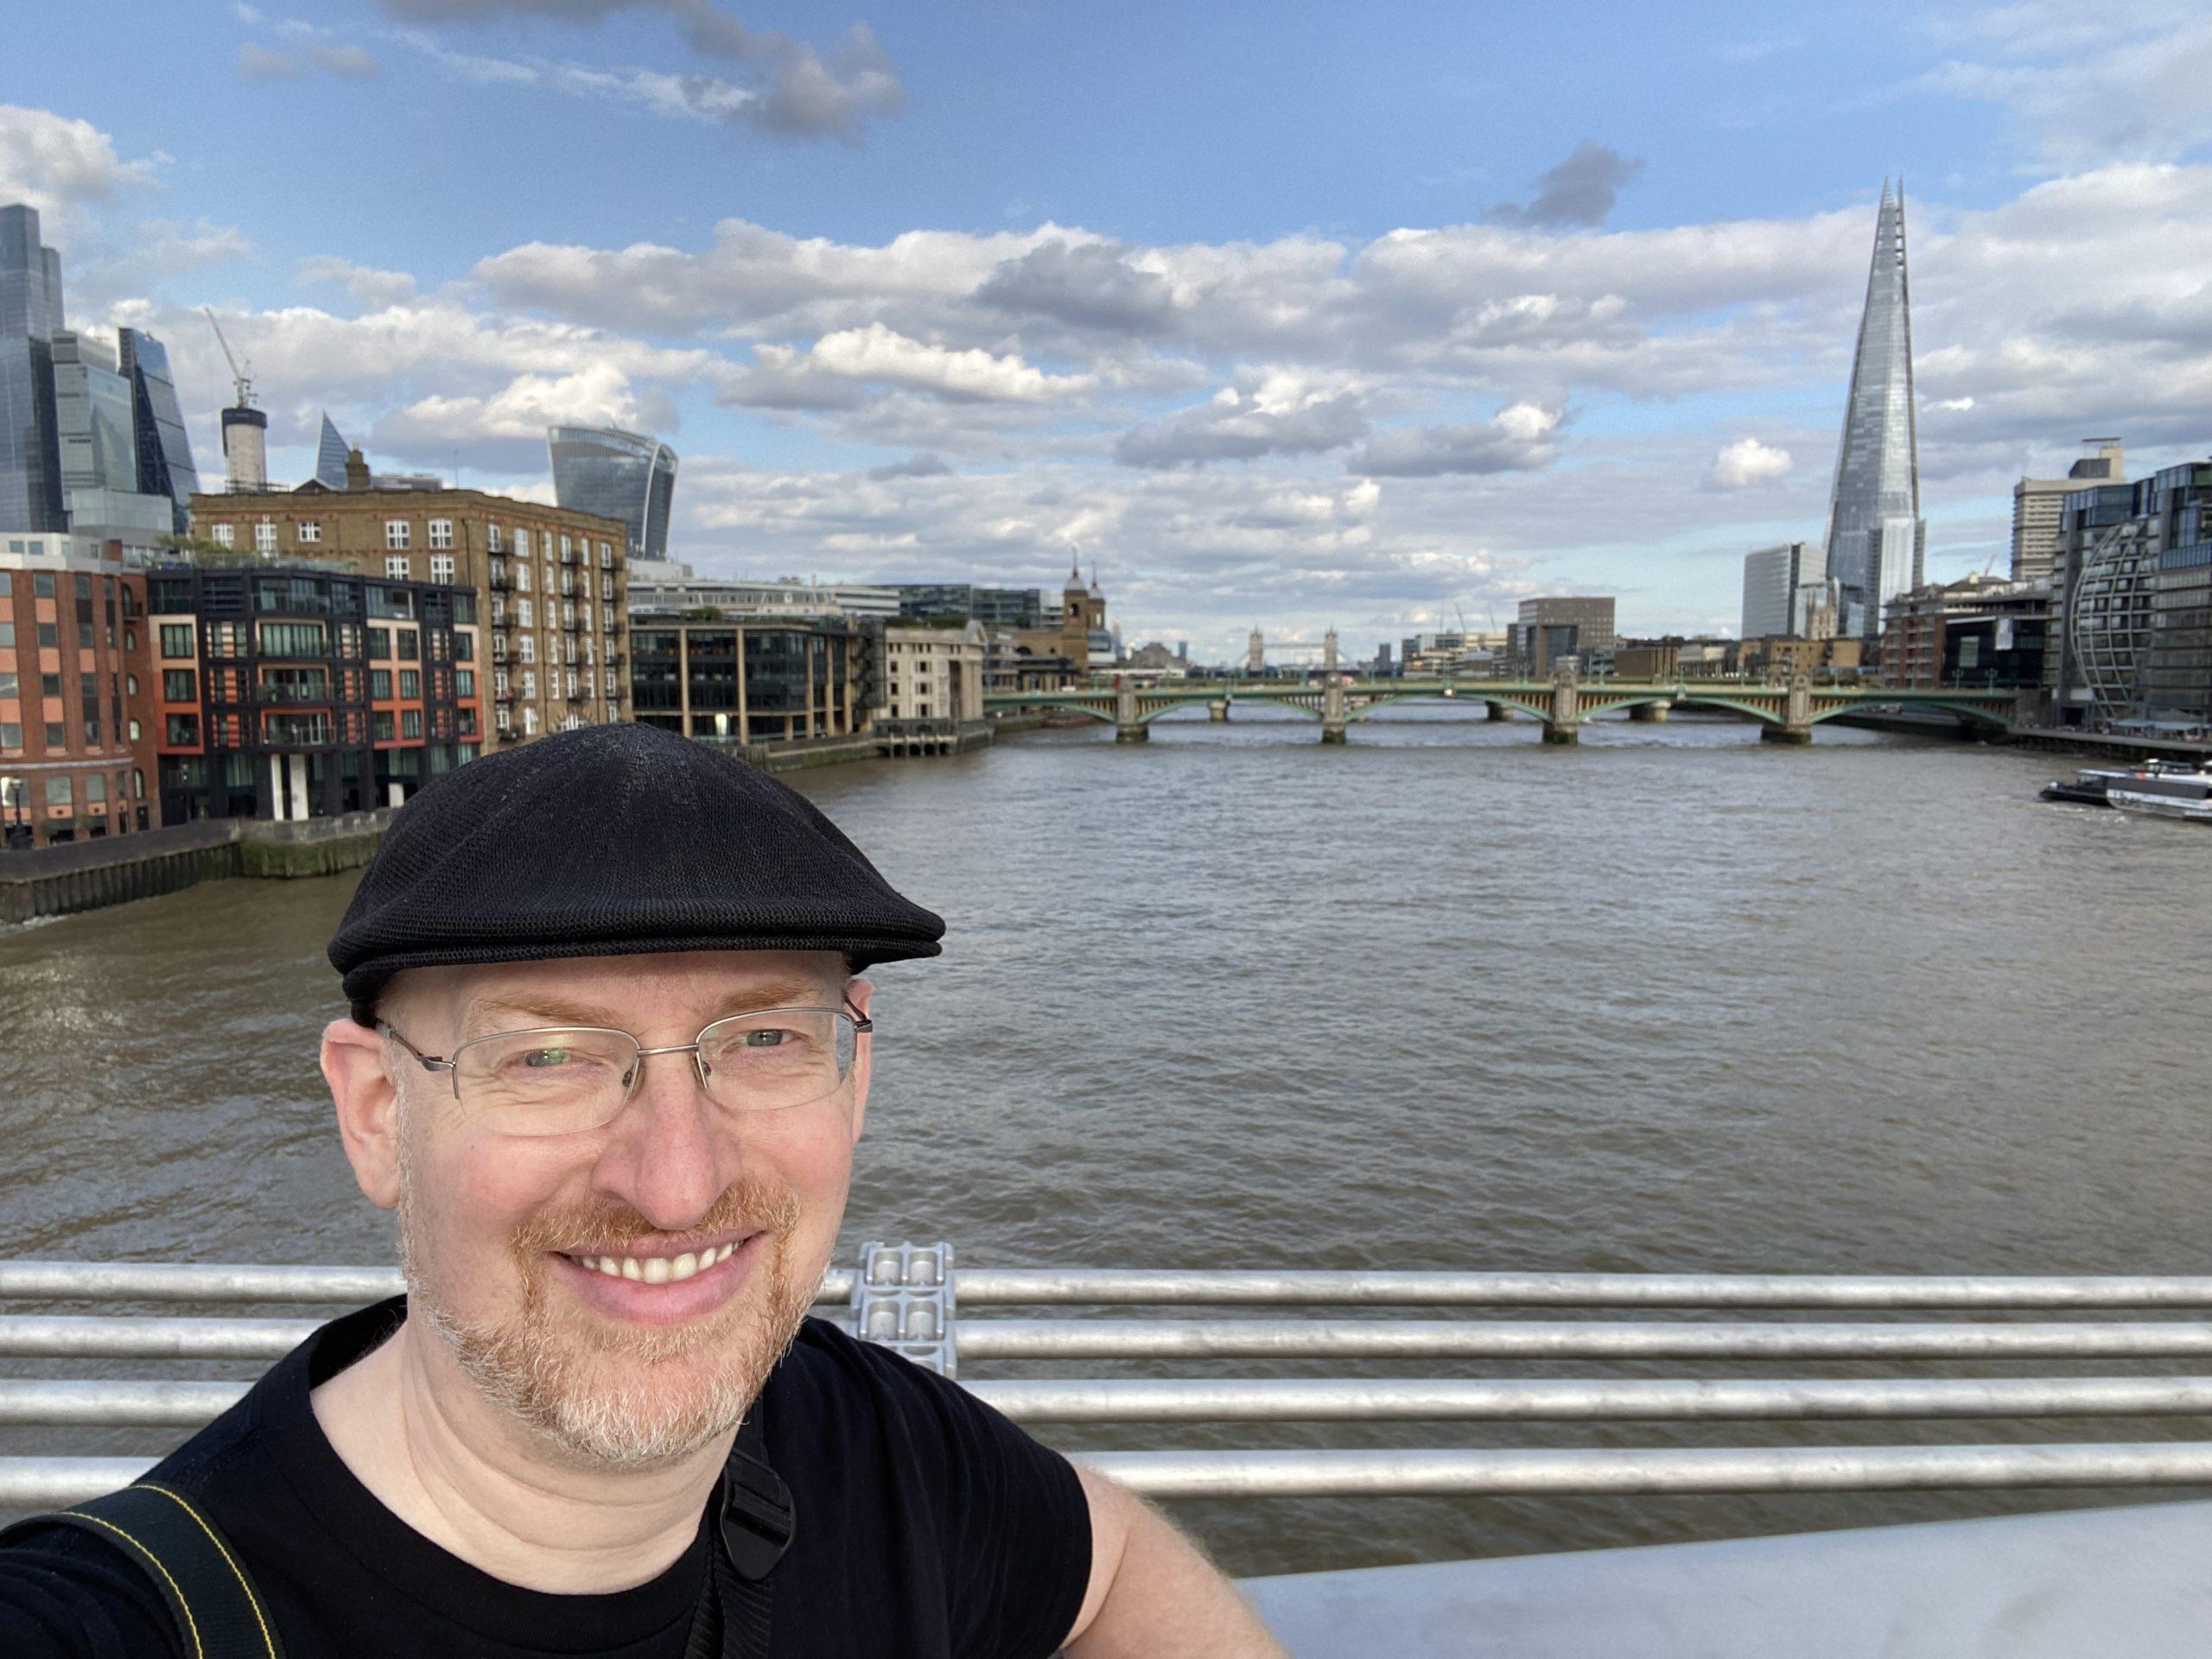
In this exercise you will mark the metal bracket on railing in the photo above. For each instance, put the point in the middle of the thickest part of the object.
(902, 1299)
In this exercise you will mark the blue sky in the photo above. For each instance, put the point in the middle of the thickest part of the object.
(1293, 315)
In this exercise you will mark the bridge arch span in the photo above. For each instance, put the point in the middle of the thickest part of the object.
(1964, 710)
(1459, 694)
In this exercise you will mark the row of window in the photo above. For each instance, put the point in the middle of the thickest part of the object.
(60, 790)
(399, 536)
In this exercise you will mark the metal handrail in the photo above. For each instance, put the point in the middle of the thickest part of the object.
(1049, 1286)
(1159, 1400)
(897, 1282)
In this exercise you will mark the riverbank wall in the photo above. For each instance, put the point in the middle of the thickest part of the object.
(2107, 745)
(39, 881)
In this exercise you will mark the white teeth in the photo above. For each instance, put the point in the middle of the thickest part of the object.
(659, 1269)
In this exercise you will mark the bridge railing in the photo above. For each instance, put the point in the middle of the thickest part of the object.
(913, 1298)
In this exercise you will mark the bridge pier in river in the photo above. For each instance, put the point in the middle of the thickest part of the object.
(1565, 725)
(1334, 709)
(1648, 713)
(1218, 711)
(1796, 714)
(1127, 728)
(1499, 711)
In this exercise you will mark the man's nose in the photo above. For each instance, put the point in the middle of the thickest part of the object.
(671, 1153)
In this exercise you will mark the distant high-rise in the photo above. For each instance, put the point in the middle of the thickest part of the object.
(621, 474)
(330, 455)
(2037, 504)
(30, 310)
(165, 465)
(1772, 576)
(1877, 540)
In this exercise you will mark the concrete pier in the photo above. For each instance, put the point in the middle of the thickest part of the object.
(1796, 714)
(1500, 711)
(1648, 713)
(1565, 725)
(1218, 711)
(1334, 709)
(1128, 728)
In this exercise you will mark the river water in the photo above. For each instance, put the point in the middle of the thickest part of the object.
(1441, 998)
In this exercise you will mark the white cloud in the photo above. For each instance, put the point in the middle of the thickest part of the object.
(1517, 439)
(826, 374)
(54, 162)
(371, 288)
(1747, 462)
(1284, 412)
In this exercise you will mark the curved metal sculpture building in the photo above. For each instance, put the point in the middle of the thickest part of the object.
(621, 474)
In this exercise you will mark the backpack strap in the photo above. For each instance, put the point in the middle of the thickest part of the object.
(217, 1611)
(753, 1521)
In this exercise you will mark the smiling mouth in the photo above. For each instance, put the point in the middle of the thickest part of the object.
(656, 1269)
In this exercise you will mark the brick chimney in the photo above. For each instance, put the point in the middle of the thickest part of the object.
(356, 470)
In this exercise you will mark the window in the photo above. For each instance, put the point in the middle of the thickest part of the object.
(134, 731)
(182, 728)
(398, 566)
(84, 636)
(442, 566)
(49, 685)
(522, 576)
(96, 789)
(530, 720)
(493, 542)
(49, 635)
(224, 535)
(8, 636)
(132, 680)
(530, 682)
(178, 684)
(528, 647)
(522, 544)
(441, 532)
(410, 682)
(379, 686)
(57, 737)
(294, 639)
(138, 785)
(380, 643)
(410, 723)
(380, 725)
(605, 556)
(176, 639)
(499, 683)
(309, 531)
(264, 537)
(7, 685)
(43, 584)
(464, 683)
(523, 614)
(59, 791)
(395, 534)
(410, 645)
(11, 735)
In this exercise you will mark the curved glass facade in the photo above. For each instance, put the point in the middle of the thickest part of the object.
(30, 310)
(165, 465)
(619, 475)
(2110, 619)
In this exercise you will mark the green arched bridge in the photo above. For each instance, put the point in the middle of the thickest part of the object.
(1786, 711)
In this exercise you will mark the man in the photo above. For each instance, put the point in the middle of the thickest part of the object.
(608, 1060)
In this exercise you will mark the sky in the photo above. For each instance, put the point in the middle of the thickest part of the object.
(1380, 317)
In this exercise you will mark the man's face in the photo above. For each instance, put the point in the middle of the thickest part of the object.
(506, 1239)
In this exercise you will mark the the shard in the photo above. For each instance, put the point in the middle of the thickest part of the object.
(1877, 540)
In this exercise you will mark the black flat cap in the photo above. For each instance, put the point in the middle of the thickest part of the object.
(613, 840)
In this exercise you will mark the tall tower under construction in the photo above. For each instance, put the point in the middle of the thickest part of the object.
(1877, 541)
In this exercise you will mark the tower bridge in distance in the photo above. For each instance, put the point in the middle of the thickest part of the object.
(1786, 711)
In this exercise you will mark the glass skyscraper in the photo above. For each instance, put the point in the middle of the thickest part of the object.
(330, 455)
(165, 465)
(621, 474)
(1877, 539)
(30, 311)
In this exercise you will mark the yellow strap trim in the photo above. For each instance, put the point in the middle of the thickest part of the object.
(268, 1641)
(191, 1629)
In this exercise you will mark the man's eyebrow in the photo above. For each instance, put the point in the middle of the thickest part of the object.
(552, 1008)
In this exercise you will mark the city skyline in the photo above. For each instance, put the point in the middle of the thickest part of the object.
(1546, 335)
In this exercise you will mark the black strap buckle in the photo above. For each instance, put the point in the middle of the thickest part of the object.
(757, 1518)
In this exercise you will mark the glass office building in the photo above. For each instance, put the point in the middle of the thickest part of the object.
(620, 475)
(330, 455)
(165, 465)
(30, 312)
(1877, 539)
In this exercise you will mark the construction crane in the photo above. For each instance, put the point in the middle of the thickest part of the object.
(239, 377)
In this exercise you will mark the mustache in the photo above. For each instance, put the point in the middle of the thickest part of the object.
(750, 1206)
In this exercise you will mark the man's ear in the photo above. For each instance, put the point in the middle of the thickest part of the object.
(368, 1107)
(858, 991)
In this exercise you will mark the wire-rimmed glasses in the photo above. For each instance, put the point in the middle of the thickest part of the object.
(566, 1079)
